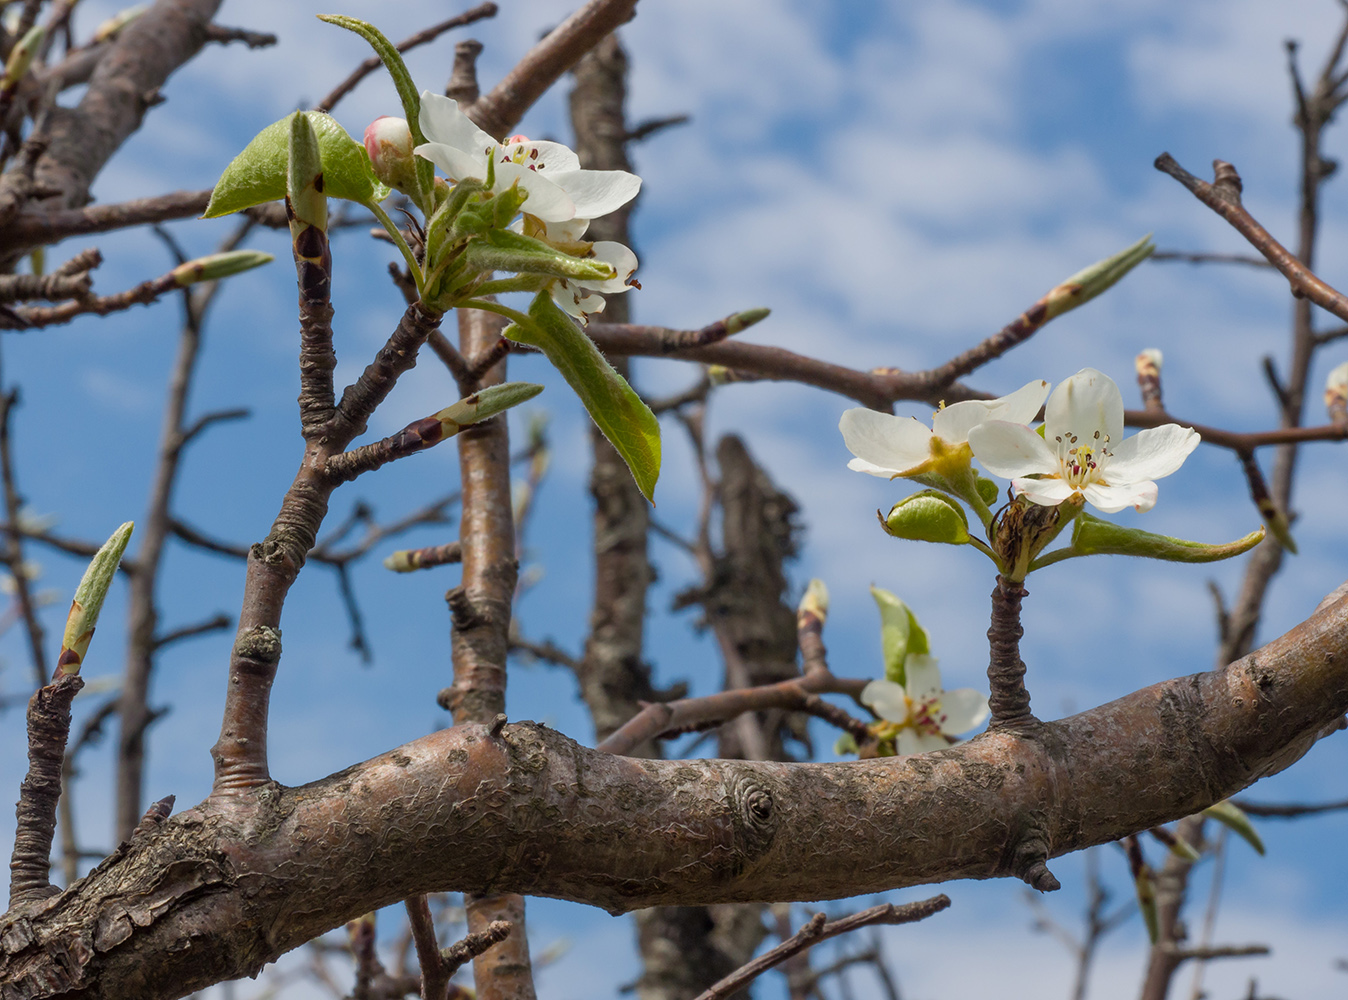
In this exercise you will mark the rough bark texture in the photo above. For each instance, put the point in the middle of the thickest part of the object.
(224, 887)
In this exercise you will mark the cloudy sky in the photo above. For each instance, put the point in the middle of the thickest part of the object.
(896, 181)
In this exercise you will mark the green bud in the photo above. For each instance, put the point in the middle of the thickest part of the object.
(847, 743)
(1233, 818)
(88, 602)
(484, 404)
(506, 205)
(1146, 902)
(1093, 536)
(1085, 285)
(1181, 848)
(21, 58)
(743, 320)
(304, 177)
(113, 26)
(928, 516)
(219, 265)
(815, 601)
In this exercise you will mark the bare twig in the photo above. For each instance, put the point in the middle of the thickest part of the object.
(421, 37)
(1210, 258)
(819, 929)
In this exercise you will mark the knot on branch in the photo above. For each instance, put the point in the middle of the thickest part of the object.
(464, 611)
(754, 809)
(260, 645)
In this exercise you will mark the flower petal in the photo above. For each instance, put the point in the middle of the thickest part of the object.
(887, 699)
(910, 741)
(1110, 499)
(884, 445)
(623, 261)
(454, 163)
(1151, 454)
(1045, 492)
(552, 158)
(1021, 406)
(962, 710)
(546, 200)
(441, 121)
(598, 192)
(1087, 403)
(1010, 450)
(924, 676)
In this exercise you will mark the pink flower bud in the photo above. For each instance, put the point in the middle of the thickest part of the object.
(388, 140)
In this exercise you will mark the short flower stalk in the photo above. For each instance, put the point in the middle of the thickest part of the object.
(1009, 699)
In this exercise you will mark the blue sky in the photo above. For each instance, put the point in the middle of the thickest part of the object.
(896, 181)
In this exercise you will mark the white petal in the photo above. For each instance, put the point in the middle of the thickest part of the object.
(441, 121)
(552, 158)
(1021, 406)
(1045, 492)
(924, 676)
(624, 262)
(910, 741)
(887, 444)
(1010, 450)
(952, 423)
(453, 163)
(887, 700)
(1110, 499)
(1084, 404)
(546, 200)
(1151, 454)
(598, 192)
(579, 302)
(568, 230)
(962, 710)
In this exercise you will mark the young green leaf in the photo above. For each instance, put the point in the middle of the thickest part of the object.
(258, 174)
(900, 635)
(1234, 818)
(88, 602)
(407, 93)
(616, 409)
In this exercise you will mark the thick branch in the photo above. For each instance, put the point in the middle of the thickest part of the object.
(624, 833)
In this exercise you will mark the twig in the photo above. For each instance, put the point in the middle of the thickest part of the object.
(462, 952)
(215, 624)
(1290, 810)
(547, 651)
(253, 39)
(412, 41)
(1210, 258)
(43, 228)
(434, 971)
(1223, 197)
(462, 85)
(13, 551)
(500, 110)
(817, 930)
(1009, 700)
(644, 130)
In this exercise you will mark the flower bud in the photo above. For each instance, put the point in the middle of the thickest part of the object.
(215, 266)
(1336, 395)
(815, 601)
(928, 516)
(1148, 367)
(388, 140)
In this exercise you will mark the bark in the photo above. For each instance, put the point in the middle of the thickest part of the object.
(231, 884)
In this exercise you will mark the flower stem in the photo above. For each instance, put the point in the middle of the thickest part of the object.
(1009, 700)
(396, 235)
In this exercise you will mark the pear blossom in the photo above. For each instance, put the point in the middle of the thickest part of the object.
(559, 190)
(888, 446)
(1083, 451)
(925, 713)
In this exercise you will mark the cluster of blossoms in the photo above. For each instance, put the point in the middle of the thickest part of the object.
(921, 715)
(560, 199)
(1081, 452)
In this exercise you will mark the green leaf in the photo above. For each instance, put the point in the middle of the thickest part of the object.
(258, 174)
(847, 743)
(407, 93)
(616, 409)
(988, 490)
(484, 404)
(1234, 818)
(1093, 536)
(1146, 902)
(929, 516)
(900, 635)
